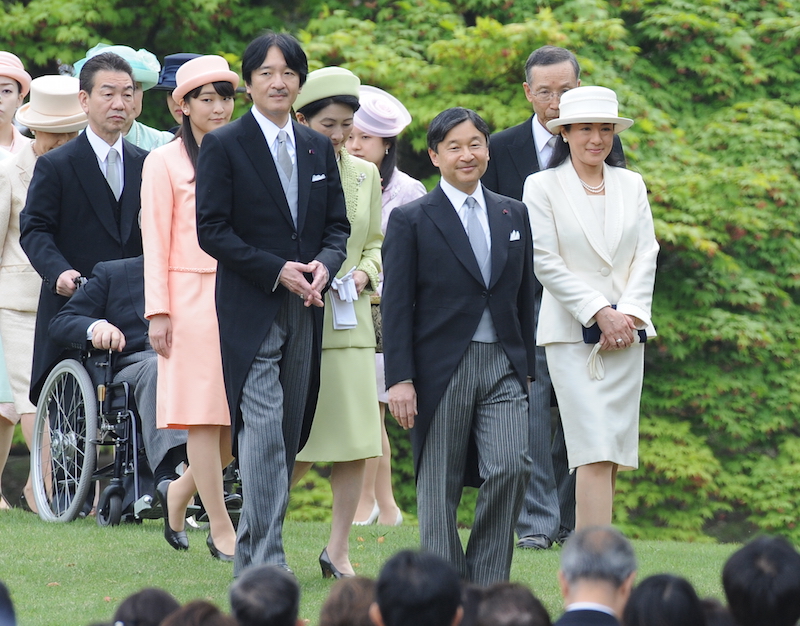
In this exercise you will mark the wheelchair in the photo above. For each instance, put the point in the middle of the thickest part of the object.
(81, 411)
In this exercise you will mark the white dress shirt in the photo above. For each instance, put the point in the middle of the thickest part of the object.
(540, 138)
(458, 198)
(271, 130)
(101, 150)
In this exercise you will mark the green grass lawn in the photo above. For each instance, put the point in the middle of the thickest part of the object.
(77, 573)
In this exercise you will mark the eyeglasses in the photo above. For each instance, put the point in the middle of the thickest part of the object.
(545, 95)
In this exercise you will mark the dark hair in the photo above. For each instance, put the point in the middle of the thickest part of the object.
(148, 607)
(471, 598)
(199, 613)
(310, 110)
(348, 603)
(448, 119)
(223, 88)
(664, 600)
(257, 51)
(105, 62)
(389, 161)
(265, 595)
(417, 588)
(717, 614)
(7, 617)
(511, 604)
(762, 583)
(561, 152)
(550, 55)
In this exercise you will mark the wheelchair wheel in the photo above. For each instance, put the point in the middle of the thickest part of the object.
(63, 458)
(109, 509)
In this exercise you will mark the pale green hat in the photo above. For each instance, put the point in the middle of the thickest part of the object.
(325, 83)
(145, 65)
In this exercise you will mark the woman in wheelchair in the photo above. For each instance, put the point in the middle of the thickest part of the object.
(179, 302)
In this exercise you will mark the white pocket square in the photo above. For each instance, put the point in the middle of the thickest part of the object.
(514, 235)
(317, 177)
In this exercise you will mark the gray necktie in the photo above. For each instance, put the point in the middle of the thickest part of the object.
(112, 173)
(284, 160)
(477, 238)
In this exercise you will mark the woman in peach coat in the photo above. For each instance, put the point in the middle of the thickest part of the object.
(179, 302)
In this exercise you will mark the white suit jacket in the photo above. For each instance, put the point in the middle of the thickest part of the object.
(582, 265)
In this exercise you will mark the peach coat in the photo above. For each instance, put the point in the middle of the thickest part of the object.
(179, 281)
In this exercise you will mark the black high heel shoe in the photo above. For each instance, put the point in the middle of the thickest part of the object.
(177, 539)
(216, 553)
(328, 568)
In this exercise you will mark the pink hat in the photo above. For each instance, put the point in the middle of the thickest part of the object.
(380, 113)
(11, 66)
(201, 71)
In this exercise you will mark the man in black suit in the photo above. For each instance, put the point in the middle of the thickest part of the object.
(108, 311)
(548, 513)
(459, 346)
(83, 201)
(270, 209)
(598, 568)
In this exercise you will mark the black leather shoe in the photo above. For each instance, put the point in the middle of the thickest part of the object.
(177, 539)
(563, 535)
(328, 568)
(535, 542)
(216, 553)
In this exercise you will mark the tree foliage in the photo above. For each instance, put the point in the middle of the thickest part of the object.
(713, 86)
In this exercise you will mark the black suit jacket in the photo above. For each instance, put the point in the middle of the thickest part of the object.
(434, 296)
(513, 158)
(587, 618)
(115, 292)
(243, 221)
(69, 222)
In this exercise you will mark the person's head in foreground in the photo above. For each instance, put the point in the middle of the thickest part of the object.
(664, 600)
(762, 583)
(148, 607)
(348, 603)
(265, 595)
(511, 604)
(419, 589)
(597, 565)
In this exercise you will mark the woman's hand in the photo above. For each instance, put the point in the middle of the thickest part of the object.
(361, 280)
(161, 334)
(617, 329)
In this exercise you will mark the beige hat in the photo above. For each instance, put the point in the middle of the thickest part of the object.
(11, 66)
(589, 104)
(53, 106)
(200, 71)
(326, 83)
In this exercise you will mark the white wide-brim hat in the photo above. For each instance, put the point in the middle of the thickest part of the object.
(53, 106)
(326, 83)
(209, 68)
(380, 113)
(589, 104)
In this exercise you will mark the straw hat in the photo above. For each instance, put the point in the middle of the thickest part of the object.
(53, 106)
(144, 64)
(589, 104)
(325, 83)
(201, 71)
(11, 66)
(380, 113)
(166, 80)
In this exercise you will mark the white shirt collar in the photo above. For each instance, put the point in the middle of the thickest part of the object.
(458, 197)
(271, 129)
(540, 135)
(591, 606)
(101, 148)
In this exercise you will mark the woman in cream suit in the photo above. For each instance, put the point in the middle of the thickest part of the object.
(179, 302)
(55, 116)
(346, 428)
(594, 247)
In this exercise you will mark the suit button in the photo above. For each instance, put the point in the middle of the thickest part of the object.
(485, 294)
(605, 271)
(294, 236)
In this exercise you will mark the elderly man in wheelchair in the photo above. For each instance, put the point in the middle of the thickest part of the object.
(106, 314)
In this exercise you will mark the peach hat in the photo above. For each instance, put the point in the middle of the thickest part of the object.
(197, 72)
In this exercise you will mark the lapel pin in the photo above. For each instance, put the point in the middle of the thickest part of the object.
(311, 151)
(505, 211)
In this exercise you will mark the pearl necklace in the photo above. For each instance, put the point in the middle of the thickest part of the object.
(591, 189)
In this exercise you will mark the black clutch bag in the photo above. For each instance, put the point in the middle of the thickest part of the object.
(592, 334)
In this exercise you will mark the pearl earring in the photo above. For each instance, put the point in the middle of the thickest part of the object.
(564, 138)
(387, 152)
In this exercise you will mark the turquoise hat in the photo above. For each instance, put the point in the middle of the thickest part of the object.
(145, 65)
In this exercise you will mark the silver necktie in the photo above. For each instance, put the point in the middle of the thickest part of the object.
(477, 238)
(284, 160)
(112, 173)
